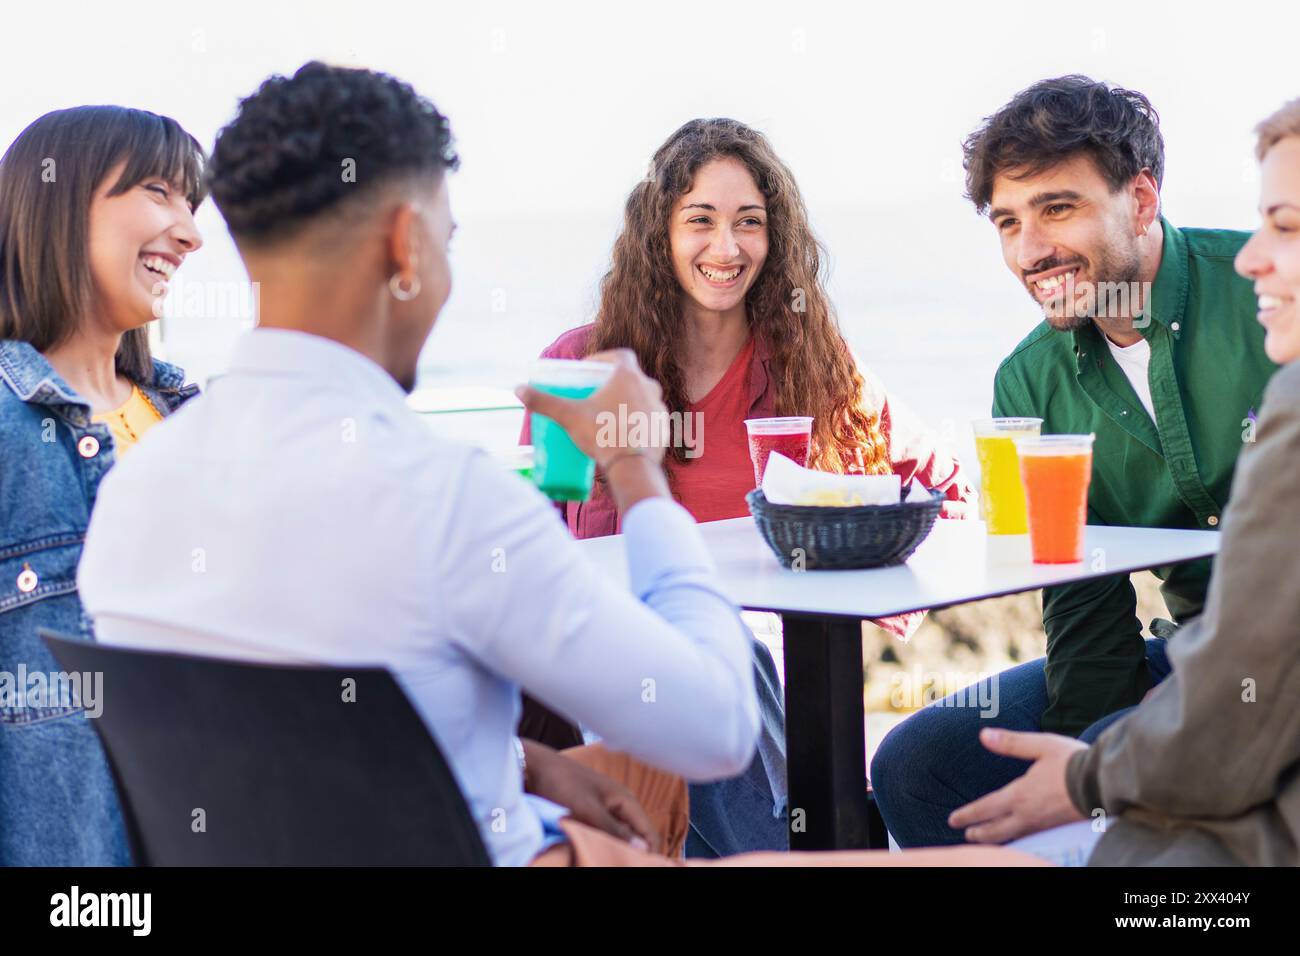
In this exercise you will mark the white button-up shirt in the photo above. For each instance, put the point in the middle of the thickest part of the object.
(300, 512)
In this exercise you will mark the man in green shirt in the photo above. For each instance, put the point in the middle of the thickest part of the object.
(1150, 342)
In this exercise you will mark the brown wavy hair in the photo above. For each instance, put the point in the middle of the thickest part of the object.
(811, 366)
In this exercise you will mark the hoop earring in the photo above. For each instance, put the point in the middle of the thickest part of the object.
(400, 294)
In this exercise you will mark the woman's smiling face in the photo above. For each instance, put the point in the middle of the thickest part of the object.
(137, 241)
(1272, 256)
(718, 235)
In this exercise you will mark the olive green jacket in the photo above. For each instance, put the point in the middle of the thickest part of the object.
(1207, 770)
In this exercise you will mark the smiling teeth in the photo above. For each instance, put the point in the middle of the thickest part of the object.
(1055, 281)
(159, 264)
(716, 276)
(1270, 301)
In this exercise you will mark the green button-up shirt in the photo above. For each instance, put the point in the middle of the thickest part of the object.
(1207, 376)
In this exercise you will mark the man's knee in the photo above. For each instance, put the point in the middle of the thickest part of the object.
(897, 757)
(917, 753)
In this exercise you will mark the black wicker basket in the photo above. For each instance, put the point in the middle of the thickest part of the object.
(862, 536)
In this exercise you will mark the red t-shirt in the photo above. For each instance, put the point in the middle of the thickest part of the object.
(713, 485)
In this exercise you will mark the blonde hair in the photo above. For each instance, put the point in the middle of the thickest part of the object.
(1285, 122)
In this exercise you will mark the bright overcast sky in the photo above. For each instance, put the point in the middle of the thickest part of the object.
(557, 108)
(557, 105)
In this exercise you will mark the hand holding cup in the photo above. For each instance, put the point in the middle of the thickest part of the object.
(592, 422)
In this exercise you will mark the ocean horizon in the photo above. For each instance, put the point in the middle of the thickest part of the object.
(931, 318)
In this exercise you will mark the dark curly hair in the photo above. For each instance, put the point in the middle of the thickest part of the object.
(303, 145)
(1056, 119)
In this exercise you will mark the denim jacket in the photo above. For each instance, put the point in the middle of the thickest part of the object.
(58, 805)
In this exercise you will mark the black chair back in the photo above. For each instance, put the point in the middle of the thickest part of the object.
(225, 763)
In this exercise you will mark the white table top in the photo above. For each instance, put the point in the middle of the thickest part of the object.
(956, 564)
(462, 398)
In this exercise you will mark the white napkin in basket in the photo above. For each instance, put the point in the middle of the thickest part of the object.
(785, 483)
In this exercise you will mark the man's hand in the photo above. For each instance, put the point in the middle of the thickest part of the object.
(628, 388)
(591, 798)
(1035, 801)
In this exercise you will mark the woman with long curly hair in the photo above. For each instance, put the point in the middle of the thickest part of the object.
(717, 285)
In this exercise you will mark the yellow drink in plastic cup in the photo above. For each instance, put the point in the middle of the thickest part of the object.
(1002, 491)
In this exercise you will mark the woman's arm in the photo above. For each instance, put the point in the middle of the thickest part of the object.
(915, 453)
(916, 450)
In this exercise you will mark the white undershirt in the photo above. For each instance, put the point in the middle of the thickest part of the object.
(1134, 361)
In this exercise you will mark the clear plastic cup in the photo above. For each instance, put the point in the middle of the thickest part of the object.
(1002, 491)
(790, 436)
(560, 469)
(1056, 470)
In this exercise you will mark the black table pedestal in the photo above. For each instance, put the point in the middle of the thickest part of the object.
(825, 741)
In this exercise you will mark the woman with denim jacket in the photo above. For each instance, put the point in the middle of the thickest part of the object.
(96, 214)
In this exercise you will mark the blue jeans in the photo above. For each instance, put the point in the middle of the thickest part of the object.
(932, 763)
(747, 812)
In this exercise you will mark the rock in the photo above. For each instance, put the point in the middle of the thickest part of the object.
(957, 646)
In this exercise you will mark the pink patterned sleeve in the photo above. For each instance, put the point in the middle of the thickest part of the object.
(570, 345)
(598, 516)
(902, 626)
(916, 453)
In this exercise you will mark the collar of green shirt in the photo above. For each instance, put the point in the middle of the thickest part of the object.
(1166, 304)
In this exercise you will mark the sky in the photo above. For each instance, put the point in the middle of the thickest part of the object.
(556, 105)
(557, 108)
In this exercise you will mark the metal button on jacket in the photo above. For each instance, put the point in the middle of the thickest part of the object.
(88, 447)
(27, 580)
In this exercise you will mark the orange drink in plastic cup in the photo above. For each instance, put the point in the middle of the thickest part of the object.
(1056, 470)
(1002, 492)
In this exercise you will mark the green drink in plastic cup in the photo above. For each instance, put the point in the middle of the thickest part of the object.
(560, 469)
(519, 460)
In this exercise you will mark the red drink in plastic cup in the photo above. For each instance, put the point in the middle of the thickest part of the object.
(789, 436)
